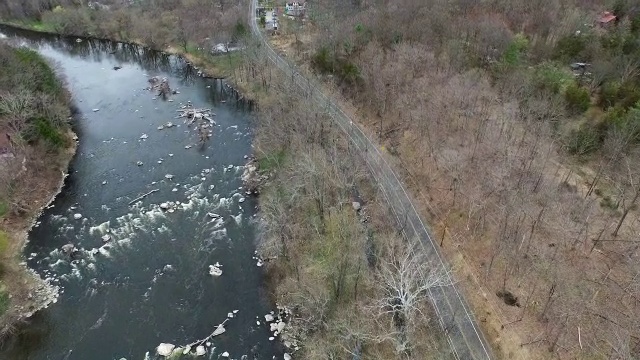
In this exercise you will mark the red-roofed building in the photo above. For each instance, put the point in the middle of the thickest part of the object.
(607, 18)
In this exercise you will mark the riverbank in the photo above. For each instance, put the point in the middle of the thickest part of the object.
(27, 291)
(36, 155)
(221, 66)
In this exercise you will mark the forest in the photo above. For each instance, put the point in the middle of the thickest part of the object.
(516, 126)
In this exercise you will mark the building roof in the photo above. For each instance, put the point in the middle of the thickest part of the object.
(606, 17)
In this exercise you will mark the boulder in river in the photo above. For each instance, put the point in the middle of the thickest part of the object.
(269, 318)
(214, 270)
(68, 249)
(77, 216)
(200, 351)
(165, 349)
(219, 330)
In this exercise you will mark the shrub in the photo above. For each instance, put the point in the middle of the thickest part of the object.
(629, 95)
(4, 300)
(624, 125)
(607, 202)
(4, 207)
(349, 72)
(569, 47)
(630, 44)
(323, 60)
(585, 140)
(42, 78)
(4, 242)
(513, 54)
(612, 41)
(47, 132)
(240, 30)
(609, 93)
(271, 161)
(550, 77)
(577, 98)
(635, 24)
(72, 21)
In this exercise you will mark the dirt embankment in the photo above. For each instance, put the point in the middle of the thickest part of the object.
(36, 147)
(40, 183)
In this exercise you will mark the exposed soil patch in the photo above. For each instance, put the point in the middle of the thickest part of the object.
(40, 184)
(508, 297)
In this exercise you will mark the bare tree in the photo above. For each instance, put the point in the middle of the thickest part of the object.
(407, 277)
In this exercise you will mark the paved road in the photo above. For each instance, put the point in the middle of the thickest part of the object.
(464, 336)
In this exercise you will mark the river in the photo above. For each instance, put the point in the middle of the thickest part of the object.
(150, 282)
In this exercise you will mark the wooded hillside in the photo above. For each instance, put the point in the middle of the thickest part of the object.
(516, 125)
(190, 24)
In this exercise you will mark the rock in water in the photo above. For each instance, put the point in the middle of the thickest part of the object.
(268, 318)
(225, 354)
(219, 330)
(77, 216)
(287, 356)
(214, 270)
(68, 248)
(200, 351)
(165, 349)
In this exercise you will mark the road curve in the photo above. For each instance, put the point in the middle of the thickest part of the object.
(465, 337)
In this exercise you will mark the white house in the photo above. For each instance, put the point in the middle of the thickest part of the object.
(296, 8)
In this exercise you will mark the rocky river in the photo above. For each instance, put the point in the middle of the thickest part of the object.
(152, 239)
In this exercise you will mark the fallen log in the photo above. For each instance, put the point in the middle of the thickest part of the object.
(143, 196)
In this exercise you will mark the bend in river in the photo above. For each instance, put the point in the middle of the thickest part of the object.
(141, 275)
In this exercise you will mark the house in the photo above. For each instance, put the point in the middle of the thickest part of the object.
(97, 6)
(607, 18)
(296, 8)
